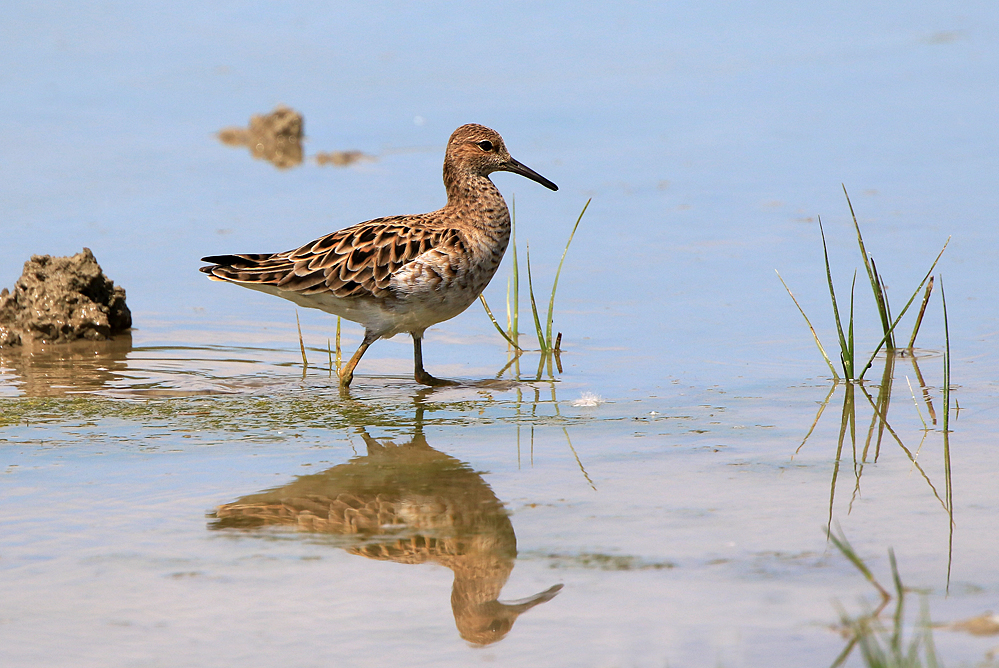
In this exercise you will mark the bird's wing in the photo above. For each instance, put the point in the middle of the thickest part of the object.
(357, 261)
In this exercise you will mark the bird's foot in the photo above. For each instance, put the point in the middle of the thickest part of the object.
(425, 378)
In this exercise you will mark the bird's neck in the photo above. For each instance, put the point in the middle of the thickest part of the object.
(476, 200)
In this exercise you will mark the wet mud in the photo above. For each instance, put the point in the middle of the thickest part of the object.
(62, 299)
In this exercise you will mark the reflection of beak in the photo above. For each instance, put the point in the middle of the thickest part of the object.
(524, 170)
(524, 604)
(489, 622)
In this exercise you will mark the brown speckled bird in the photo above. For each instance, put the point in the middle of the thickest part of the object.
(401, 273)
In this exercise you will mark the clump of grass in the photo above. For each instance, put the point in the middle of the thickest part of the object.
(335, 363)
(544, 332)
(847, 345)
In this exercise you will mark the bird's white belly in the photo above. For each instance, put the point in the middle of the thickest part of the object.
(386, 316)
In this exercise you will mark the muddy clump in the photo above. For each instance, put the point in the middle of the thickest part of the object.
(60, 299)
(275, 137)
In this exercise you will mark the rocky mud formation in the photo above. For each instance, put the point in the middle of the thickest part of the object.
(59, 299)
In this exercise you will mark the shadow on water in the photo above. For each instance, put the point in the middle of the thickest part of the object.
(410, 504)
(866, 449)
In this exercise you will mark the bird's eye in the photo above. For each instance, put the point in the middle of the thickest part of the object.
(485, 145)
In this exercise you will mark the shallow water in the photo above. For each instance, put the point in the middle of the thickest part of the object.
(661, 478)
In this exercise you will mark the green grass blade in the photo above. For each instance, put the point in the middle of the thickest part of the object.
(907, 305)
(851, 350)
(496, 324)
(832, 296)
(879, 296)
(884, 308)
(534, 306)
(946, 369)
(301, 343)
(809, 322)
(884, 293)
(515, 321)
(509, 315)
(551, 301)
(922, 310)
(948, 487)
(339, 356)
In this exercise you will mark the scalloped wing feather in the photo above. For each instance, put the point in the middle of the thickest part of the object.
(358, 261)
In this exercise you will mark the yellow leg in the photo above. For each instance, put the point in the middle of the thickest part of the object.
(347, 372)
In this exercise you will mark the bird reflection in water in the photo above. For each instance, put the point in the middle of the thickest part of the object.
(410, 504)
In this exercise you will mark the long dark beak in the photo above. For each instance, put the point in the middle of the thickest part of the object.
(524, 170)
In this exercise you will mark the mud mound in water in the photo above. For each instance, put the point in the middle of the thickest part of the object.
(59, 299)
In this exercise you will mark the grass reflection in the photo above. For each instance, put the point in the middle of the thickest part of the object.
(878, 430)
(882, 644)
